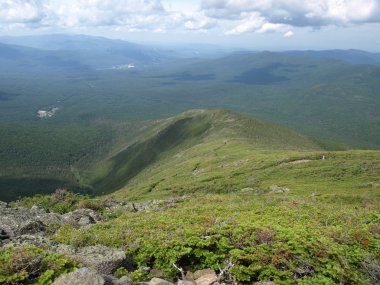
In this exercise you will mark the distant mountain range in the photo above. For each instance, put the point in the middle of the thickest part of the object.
(82, 51)
(351, 56)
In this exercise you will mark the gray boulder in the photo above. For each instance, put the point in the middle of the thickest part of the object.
(278, 189)
(22, 221)
(185, 282)
(36, 240)
(3, 204)
(80, 218)
(159, 281)
(199, 273)
(104, 259)
(207, 279)
(82, 276)
(112, 280)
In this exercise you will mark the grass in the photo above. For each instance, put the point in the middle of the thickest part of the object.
(287, 239)
(198, 134)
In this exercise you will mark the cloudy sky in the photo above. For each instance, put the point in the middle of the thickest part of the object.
(255, 24)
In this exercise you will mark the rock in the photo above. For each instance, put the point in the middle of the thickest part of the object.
(36, 240)
(200, 273)
(154, 205)
(256, 191)
(185, 282)
(125, 280)
(50, 218)
(3, 204)
(20, 221)
(207, 279)
(80, 218)
(278, 189)
(190, 276)
(6, 232)
(247, 190)
(82, 276)
(159, 281)
(109, 279)
(112, 280)
(38, 210)
(104, 259)
(32, 227)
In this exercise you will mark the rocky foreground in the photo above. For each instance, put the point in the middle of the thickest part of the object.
(20, 226)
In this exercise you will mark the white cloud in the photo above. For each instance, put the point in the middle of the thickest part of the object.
(15, 12)
(126, 14)
(273, 15)
(235, 17)
(107, 12)
(251, 22)
(289, 34)
(198, 21)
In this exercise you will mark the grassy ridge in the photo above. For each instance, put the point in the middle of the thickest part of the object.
(136, 157)
(201, 130)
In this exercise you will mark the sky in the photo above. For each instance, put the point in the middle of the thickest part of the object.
(253, 24)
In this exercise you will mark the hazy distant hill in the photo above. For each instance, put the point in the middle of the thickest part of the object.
(351, 56)
(92, 52)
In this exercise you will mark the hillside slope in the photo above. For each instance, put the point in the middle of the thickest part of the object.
(195, 136)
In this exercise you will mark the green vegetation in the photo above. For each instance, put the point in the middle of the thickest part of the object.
(255, 195)
(205, 132)
(32, 265)
(302, 238)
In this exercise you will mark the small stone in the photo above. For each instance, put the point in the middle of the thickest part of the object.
(200, 273)
(104, 259)
(159, 281)
(185, 282)
(3, 204)
(247, 190)
(125, 280)
(207, 279)
(36, 209)
(32, 227)
(278, 189)
(80, 218)
(82, 276)
(110, 279)
(190, 276)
